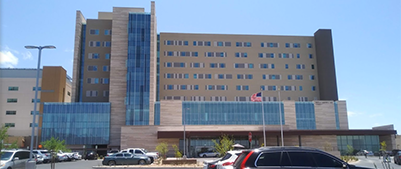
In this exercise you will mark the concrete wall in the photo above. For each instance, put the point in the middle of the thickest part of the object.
(170, 112)
(79, 21)
(290, 114)
(325, 115)
(153, 64)
(343, 114)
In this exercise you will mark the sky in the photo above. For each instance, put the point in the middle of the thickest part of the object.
(366, 38)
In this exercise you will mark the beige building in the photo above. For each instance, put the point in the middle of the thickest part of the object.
(17, 93)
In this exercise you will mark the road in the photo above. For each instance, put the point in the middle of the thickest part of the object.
(372, 160)
(81, 164)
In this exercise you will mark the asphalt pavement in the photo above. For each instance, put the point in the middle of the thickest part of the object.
(370, 162)
(80, 164)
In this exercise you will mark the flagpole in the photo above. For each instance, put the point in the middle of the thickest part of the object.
(281, 121)
(263, 117)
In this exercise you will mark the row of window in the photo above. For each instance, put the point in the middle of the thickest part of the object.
(16, 88)
(237, 44)
(15, 100)
(238, 87)
(96, 56)
(224, 98)
(230, 76)
(96, 32)
(94, 93)
(237, 54)
(223, 65)
(96, 80)
(13, 125)
(99, 44)
(94, 68)
(13, 112)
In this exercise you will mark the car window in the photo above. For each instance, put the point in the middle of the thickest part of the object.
(138, 152)
(119, 155)
(6, 156)
(127, 155)
(239, 160)
(285, 160)
(300, 159)
(326, 161)
(227, 156)
(269, 159)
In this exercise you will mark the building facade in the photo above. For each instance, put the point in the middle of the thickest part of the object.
(18, 93)
(153, 85)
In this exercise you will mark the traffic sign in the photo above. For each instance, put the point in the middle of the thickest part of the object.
(250, 136)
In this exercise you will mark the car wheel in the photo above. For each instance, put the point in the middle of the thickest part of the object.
(112, 163)
(151, 159)
(141, 162)
(204, 155)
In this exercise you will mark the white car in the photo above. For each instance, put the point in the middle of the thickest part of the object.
(227, 161)
(77, 156)
(209, 154)
(44, 153)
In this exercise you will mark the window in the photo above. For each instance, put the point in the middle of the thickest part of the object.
(227, 43)
(260, 55)
(105, 80)
(272, 65)
(249, 76)
(194, 43)
(310, 56)
(186, 76)
(12, 100)
(298, 55)
(9, 125)
(250, 65)
(92, 68)
(195, 76)
(237, 55)
(91, 93)
(170, 87)
(312, 66)
(269, 159)
(248, 44)
(220, 76)
(197, 65)
(94, 31)
(296, 45)
(326, 161)
(286, 66)
(30, 124)
(183, 87)
(300, 66)
(301, 159)
(262, 87)
(238, 87)
(300, 88)
(13, 88)
(106, 44)
(37, 100)
(185, 43)
(309, 45)
(107, 32)
(263, 66)
(10, 112)
(196, 87)
(213, 65)
(262, 44)
(287, 45)
(32, 112)
(299, 77)
(107, 56)
(39, 88)
(106, 68)
(313, 88)
(312, 77)
(289, 77)
(195, 54)
(238, 44)
(207, 43)
(219, 43)
(222, 65)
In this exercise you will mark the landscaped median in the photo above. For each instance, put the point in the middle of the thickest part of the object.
(189, 163)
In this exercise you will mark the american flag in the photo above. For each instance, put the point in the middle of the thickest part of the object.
(257, 97)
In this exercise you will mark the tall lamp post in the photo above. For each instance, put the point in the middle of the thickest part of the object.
(281, 121)
(185, 140)
(36, 93)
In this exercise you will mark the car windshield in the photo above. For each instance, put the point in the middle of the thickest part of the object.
(6, 156)
(44, 152)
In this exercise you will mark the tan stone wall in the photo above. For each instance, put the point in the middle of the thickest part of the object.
(79, 20)
(290, 114)
(398, 142)
(342, 114)
(323, 142)
(118, 71)
(139, 137)
(220, 128)
(170, 142)
(170, 112)
(325, 115)
(390, 141)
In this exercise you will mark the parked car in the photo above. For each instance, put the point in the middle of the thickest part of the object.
(39, 158)
(209, 154)
(16, 158)
(112, 152)
(394, 152)
(90, 155)
(289, 157)
(76, 155)
(228, 160)
(141, 151)
(126, 159)
(397, 158)
(210, 164)
(45, 154)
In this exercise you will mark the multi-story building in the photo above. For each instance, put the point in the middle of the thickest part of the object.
(17, 97)
(151, 86)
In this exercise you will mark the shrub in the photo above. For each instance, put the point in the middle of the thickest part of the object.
(162, 149)
(177, 152)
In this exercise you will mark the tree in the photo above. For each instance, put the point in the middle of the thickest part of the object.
(54, 145)
(177, 151)
(383, 146)
(4, 138)
(225, 144)
(350, 150)
(162, 149)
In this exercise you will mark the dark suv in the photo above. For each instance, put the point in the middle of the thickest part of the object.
(289, 157)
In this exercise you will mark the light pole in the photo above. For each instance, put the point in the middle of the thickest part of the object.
(36, 93)
(185, 141)
(281, 121)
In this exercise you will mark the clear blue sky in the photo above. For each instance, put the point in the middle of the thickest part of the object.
(366, 37)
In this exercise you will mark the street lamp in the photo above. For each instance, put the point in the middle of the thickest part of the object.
(185, 141)
(36, 93)
(281, 121)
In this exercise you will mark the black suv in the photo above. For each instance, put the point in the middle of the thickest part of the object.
(289, 157)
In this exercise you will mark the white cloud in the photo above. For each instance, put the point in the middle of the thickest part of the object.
(375, 115)
(352, 114)
(27, 55)
(8, 59)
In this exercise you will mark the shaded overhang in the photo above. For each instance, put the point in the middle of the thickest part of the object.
(180, 134)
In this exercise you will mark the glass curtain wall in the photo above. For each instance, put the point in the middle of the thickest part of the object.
(231, 113)
(82, 63)
(361, 142)
(77, 123)
(157, 113)
(138, 68)
(305, 113)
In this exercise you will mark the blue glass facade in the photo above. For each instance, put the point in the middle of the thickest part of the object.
(138, 69)
(361, 142)
(305, 114)
(337, 117)
(231, 113)
(77, 123)
(157, 113)
(82, 63)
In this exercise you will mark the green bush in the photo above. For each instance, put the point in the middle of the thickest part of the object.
(162, 149)
(177, 152)
(349, 158)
